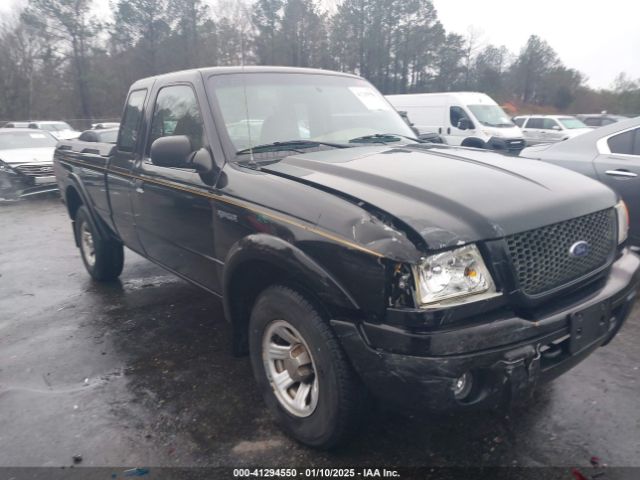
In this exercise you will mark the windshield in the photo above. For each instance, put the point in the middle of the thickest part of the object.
(491, 116)
(15, 140)
(263, 108)
(571, 123)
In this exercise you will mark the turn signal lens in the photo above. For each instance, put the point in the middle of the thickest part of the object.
(623, 221)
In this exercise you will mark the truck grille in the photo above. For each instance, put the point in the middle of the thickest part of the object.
(541, 258)
(35, 170)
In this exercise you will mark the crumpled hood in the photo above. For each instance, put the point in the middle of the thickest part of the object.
(448, 195)
(19, 156)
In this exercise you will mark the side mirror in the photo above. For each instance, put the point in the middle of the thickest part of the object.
(464, 124)
(556, 127)
(202, 161)
(430, 137)
(174, 151)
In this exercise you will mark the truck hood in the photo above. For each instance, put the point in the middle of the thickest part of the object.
(450, 196)
(19, 156)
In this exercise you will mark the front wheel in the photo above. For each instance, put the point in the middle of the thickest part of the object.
(301, 370)
(102, 257)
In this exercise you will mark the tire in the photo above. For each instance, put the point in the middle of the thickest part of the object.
(105, 262)
(333, 407)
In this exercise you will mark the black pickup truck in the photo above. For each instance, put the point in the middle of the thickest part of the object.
(353, 260)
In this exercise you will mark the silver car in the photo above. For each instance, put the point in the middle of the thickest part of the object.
(550, 128)
(610, 154)
(26, 162)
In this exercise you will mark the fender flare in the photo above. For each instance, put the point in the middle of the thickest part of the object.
(76, 183)
(473, 142)
(283, 255)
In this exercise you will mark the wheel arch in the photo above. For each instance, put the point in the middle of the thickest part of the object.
(473, 142)
(258, 261)
(76, 196)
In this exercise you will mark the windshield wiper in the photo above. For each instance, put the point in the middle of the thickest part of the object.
(383, 138)
(290, 145)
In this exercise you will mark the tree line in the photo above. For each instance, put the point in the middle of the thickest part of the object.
(61, 60)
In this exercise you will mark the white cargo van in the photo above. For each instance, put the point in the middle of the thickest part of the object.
(469, 119)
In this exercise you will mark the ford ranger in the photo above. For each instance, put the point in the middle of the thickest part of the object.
(354, 261)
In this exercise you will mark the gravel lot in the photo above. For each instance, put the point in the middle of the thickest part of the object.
(140, 373)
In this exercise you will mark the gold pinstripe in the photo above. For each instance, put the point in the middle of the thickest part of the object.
(308, 228)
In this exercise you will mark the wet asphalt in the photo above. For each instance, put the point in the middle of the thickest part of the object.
(139, 372)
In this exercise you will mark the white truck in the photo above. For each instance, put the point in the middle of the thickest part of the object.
(469, 119)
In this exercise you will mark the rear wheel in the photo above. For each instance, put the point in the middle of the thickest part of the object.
(301, 370)
(102, 257)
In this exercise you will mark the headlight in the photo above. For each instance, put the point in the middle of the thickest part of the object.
(623, 221)
(456, 273)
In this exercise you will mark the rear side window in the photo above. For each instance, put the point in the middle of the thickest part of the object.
(623, 143)
(535, 123)
(176, 113)
(130, 128)
(594, 122)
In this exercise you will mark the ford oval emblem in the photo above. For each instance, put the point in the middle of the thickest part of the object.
(579, 249)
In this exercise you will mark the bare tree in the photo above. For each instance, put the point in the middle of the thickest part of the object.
(70, 24)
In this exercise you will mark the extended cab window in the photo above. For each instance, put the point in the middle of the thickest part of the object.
(623, 143)
(176, 113)
(131, 121)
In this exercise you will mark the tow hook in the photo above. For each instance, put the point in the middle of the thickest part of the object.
(521, 369)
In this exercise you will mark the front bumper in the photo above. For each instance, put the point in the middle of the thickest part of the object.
(509, 145)
(507, 357)
(29, 181)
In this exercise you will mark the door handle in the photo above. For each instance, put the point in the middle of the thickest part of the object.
(621, 173)
(449, 131)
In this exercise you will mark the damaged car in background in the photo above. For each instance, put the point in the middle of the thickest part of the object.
(353, 259)
(26, 162)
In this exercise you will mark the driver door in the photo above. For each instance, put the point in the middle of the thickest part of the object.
(455, 135)
(173, 207)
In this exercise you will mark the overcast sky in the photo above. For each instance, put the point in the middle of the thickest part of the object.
(599, 38)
